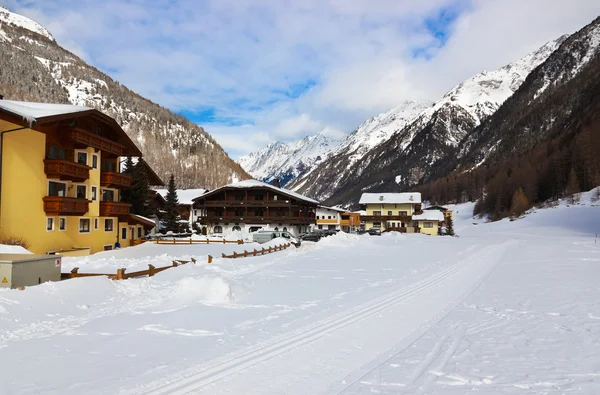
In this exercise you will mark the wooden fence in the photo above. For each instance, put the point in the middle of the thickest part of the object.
(256, 252)
(191, 241)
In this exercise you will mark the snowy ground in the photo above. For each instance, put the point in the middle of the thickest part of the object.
(506, 308)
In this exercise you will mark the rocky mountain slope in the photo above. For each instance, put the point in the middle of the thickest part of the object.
(34, 67)
(405, 159)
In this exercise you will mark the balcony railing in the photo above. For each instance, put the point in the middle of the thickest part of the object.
(88, 139)
(66, 170)
(59, 205)
(384, 218)
(257, 219)
(114, 180)
(244, 203)
(114, 209)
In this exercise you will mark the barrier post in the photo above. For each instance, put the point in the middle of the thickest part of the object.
(210, 258)
(151, 270)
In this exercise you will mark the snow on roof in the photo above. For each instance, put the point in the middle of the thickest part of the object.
(142, 218)
(11, 249)
(260, 184)
(185, 196)
(390, 198)
(341, 210)
(430, 215)
(32, 111)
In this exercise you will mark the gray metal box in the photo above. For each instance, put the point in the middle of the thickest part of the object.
(22, 270)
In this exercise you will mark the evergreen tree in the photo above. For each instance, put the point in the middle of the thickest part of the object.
(171, 216)
(573, 190)
(140, 188)
(128, 170)
(520, 203)
(449, 226)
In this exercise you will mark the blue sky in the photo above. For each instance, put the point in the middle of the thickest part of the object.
(254, 71)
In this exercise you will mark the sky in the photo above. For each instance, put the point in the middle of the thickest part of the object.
(255, 71)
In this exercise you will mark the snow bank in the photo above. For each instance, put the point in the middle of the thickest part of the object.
(9, 249)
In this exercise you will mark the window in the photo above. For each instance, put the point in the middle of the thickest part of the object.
(108, 195)
(390, 212)
(428, 224)
(285, 229)
(237, 228)
(274, 197)
(62, 223)
(320, 226)
(81, 191)
(218, 229)
(139, 232)
(377, 224)
(108, 165)
(123, 233)
(254, 229)
(94, 193)
(195, 213)
(82, 158)
(57, 188)
(50, 224)
(403, 213)
(55, 152)
(109, 224)
(96, 226)
(329, 217)
(377, 213)
(276, 229)
(84, 225)
(94, 161)
(108, 247)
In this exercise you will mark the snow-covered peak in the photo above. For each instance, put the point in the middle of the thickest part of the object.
(22, 21)
(288, 160)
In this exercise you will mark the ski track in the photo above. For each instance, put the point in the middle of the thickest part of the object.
(200, 377)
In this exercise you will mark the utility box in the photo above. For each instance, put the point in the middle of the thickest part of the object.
(23, 270)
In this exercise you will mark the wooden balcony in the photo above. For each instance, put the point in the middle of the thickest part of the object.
(385, 218)
(114, 209)
(244, 203)
(415, 229)
(59, 205)
(257, 220)
(66, 170)
(114, 180)
(88, 139)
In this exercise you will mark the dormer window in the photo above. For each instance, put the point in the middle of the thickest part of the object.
(381, 198)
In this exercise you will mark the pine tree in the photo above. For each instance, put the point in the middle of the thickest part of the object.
(449, 226)
(128, 170)
(171, 216)
(573, 190)
(139, 191)
(520, 203)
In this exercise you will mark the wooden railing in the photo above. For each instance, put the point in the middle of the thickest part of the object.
(114, 209)
(244, 203)
(414, 229)
(384, 218)
(114, 180)
(192, 241)
(256, 252)
(88, 139)
(60, 205)
(66, 170)
(257, 219)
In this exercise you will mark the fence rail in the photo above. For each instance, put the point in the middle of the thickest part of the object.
(256, 252)
(192, 241)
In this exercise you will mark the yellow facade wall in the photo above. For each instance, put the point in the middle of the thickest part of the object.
(24, 184)
(385, 209)
(428, 231)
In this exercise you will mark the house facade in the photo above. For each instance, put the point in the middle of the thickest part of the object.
(328, 218)
(248, 206)
(60, 181)
(391, 211)
(429, 222)
(444, 210)
(350, 222)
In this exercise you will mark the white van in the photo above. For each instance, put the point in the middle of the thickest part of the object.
(263, 236)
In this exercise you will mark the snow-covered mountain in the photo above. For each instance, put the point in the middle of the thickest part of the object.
(33, 67)
(429, 135)
(286, 161)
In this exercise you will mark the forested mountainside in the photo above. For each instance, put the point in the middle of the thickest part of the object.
(541, 144)
(34, 67)
(405, 157)
(288, 161)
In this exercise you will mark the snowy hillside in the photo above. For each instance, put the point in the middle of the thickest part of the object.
(287, 161)
(23, 22)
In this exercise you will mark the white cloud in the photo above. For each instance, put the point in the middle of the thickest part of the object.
(249, 59)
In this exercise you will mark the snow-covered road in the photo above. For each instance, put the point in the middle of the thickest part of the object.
(506, 308)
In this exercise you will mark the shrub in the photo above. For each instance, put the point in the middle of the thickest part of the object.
(15, 241)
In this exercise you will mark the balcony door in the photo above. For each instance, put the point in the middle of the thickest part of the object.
(57, 188)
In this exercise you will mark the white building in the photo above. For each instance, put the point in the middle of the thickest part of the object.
(329, 218)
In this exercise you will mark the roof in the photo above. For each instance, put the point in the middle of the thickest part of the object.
(259, 184)
(138, 219)
(390, 198)
(341, 210)
(436, 207)
(185, 196)
(32, 111)
(431, 215)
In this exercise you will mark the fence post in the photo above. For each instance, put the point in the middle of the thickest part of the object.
(245, 254)
(151, 270)
(193, 260)
(207, 241)
(210, 258)
(223, 241)
(235, 255)
(269, 249)
(190, 240)
(254, 252)
(175, 264)
(74, 273)
(224, 256)
(262, 251)
(120, 273)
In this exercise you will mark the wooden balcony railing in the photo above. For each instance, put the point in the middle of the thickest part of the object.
(66, 170)
(114, 180)
(114, 209)
(88, 139)
(257, 219)
(59, 205)
(385, 218)
(244, 203)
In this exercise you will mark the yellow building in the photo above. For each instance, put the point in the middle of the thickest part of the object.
(399, 212)
(60, 179)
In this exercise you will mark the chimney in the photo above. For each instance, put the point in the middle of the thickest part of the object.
(276, 183)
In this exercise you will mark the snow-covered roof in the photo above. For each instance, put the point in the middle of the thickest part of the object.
(341, 210)
(185, 196)
(32, 111)
(260, 184)
(430, 215)
(142, 218)
(390, 198)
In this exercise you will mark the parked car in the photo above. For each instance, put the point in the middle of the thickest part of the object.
(264, 236)
(374, 232)
(330, 232)
(312, 236)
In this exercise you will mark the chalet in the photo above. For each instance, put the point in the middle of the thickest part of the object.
(429, 222)
(185, 198)
(444, 210)
(60, 179)
(391, 211)
(248, 206)
(329, 218)
(350, 222)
